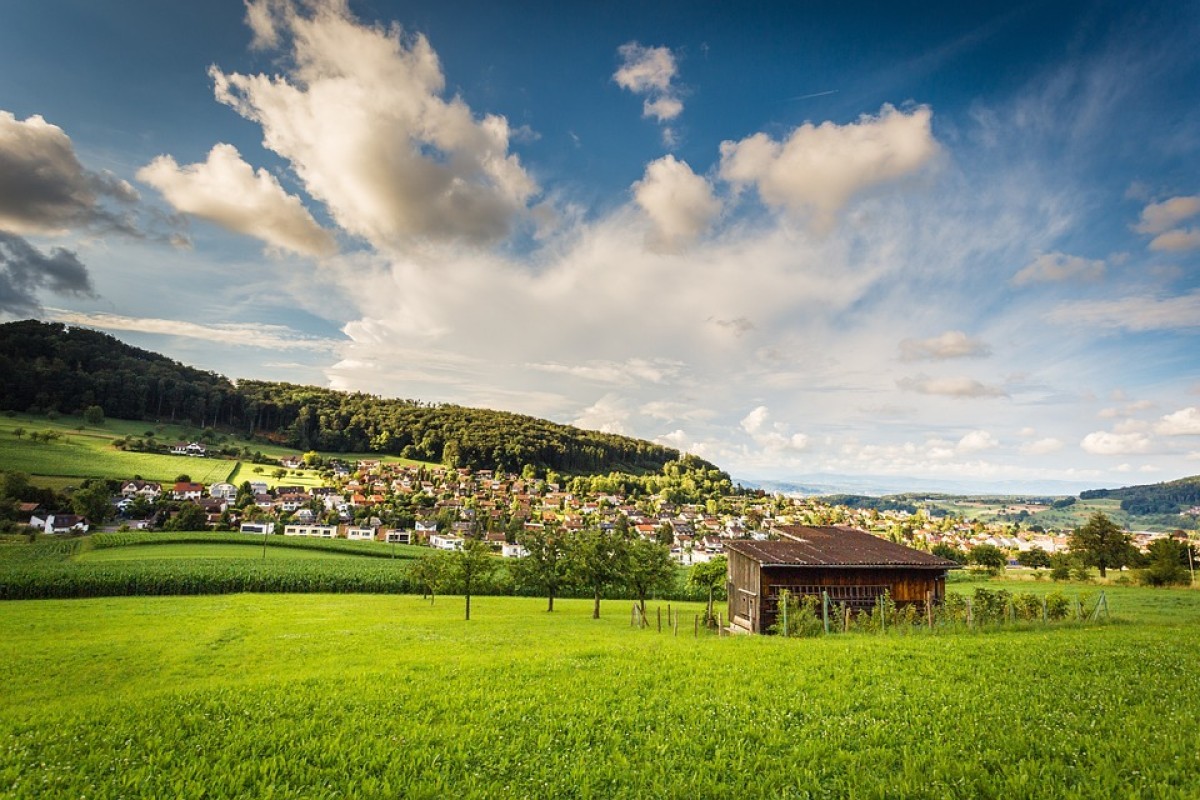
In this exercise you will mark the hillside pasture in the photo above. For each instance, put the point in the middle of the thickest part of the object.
(386, 696)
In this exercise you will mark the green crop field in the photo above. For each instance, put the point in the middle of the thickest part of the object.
(172, 552)
(387, 696)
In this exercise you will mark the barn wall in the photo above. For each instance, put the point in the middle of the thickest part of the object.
(744, 591)
(903, 585)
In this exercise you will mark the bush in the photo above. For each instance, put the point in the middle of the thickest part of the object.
(1058, 607)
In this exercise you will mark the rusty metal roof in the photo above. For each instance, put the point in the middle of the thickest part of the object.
(807, 546)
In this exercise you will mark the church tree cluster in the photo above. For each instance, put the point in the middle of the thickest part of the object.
(52, 367)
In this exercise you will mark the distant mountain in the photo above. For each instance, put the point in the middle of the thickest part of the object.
(50, 367)
(821, 485)
(1172, 497)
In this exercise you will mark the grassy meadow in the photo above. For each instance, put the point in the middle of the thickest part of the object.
(384, 696)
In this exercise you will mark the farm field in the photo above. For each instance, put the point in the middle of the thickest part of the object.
(182, 551)
(384, 696)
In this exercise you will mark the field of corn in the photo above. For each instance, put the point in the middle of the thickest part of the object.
(388, 696)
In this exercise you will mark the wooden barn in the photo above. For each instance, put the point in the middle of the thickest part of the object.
(852, 566)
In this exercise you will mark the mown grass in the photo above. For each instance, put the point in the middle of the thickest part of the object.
(369, 696)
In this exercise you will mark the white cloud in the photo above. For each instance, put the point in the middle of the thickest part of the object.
(1184, 422)
(240, 334)
(819, 168)
(227, 191)
(679, 202)
(951, 344)
(629, 373)
(1158, 217)
(1176, 240)
(977, 441)
(1133, 313)
(662, 109)
(1041, 447)
(361, 119)
(609, 414)
(1057, 267)
(753, 422)
(1104, 443)
(645, 69)
(949, 387)
(45, 190)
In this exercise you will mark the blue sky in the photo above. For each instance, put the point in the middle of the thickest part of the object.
(946, 242)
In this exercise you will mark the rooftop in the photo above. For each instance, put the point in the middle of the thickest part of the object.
(829, 546)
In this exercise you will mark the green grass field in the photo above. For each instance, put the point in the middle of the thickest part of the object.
(172, 552)
(387, 696)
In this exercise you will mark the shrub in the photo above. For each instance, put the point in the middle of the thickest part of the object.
(1057, 606)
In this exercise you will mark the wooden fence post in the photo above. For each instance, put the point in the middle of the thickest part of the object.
(720, 624)
(929, 609)
(785, 625)
(846, 621)
(825, 610)
(659, 611)
(696, 627)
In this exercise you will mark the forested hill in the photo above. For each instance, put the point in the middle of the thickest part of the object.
(48, 366)
(1172, 497)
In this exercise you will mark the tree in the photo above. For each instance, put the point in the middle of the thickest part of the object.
(598, 559)
(546, 565)
(1101, 544)
(648, 567)
(950, 552)
(710, 576)
(1168, 563)
(18, 432)
(92, 501)
(471, 566)
(429, 572)
(93, 415)
(190, 518)
(1034, 557)
(989, 557)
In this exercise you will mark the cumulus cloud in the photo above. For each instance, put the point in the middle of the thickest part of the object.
(977, 441)
(817, 169)
(1041, 447)
(649, 71)
(609, 414)
(678, 202)
(227, 191)
(24, 270)
(1105, 443)
(1185, 422)
(1145, 313)
(1058, 267)
(45, 190)
(949, 387)
(1176, 240)
(772, 437)
(951, 344)
(1159, 217)
(359, 114)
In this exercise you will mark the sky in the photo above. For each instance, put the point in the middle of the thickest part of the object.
(934, 242)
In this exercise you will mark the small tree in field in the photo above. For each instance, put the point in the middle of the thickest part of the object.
(598, 559)
(989, 557)
(648, 568)
(94, 416)
(546, 565)
(429, 571)
(471, 566)
(1100, 543)
(710, 576)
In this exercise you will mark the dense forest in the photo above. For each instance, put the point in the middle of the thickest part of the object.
(1155, 498)
(52, 367)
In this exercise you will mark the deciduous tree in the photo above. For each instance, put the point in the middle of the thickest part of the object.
(1101, 544)
(546, 565)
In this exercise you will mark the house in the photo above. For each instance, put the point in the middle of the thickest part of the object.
(193, 449)
(66, 523)
(317, 531)
(305, 516)
(360, 533)
(258, 487)
(146, 489)
(850, 566)
(398, 536)
(26, 512)
(291, 462)
(513, 551)
(257, 527)
(187, 490)
(445, 541)
(224, 491)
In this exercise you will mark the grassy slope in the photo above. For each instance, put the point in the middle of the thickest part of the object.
(88, 453)
(381, 696)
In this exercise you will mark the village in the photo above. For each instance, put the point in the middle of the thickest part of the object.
(439, 507)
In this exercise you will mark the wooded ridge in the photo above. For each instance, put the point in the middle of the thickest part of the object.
(52, 367)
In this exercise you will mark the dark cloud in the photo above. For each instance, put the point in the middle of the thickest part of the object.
(44, 188)
(24, 270)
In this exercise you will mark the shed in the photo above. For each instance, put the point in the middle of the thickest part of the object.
(853, 567)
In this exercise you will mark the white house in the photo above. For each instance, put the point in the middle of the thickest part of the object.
(66, 523)
(187, 490)
(513, 551)
(257, 527)
(146, 489)
(360, 534)
(225, 491)
(194, 449)
(398, 536)
(318, 531)
(446, 541)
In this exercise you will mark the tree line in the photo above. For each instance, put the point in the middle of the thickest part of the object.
(50, 367)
